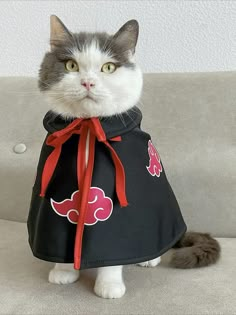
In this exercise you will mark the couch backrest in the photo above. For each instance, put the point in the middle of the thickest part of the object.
(191, 118)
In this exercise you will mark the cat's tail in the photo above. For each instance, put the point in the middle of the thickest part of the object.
(195, 250)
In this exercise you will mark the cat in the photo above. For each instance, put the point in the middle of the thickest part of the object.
(88, 75)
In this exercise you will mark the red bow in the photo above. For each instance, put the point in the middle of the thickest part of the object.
(87, 129)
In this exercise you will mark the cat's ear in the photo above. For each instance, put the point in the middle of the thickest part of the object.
(127, 35)
(59, 32)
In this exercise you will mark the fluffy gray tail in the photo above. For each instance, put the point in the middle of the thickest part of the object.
(195, 250)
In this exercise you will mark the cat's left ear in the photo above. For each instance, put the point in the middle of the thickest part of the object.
(127, 35)
(59, 32)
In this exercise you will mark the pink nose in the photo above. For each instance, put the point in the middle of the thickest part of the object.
(87, 84)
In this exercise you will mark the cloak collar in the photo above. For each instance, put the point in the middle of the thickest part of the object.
(113, 126)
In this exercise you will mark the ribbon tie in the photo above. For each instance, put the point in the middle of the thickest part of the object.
(89, 130)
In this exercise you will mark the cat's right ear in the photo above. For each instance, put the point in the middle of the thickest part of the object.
(127, 35)
(58, 33)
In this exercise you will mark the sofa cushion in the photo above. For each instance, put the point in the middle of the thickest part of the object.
(24, 288)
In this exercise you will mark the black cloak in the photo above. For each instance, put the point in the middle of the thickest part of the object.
(112, 232)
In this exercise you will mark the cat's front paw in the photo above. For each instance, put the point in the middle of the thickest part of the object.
(150, 263)
(109, 290)
(58, 276)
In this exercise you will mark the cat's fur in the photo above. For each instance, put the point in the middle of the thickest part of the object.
(195, 250)
(109, 94)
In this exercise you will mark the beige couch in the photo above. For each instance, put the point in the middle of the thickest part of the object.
(192, 120)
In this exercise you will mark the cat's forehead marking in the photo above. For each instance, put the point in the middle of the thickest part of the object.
(90, 56)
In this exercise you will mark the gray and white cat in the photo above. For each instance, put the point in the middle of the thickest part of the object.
(89, 75)
(95, 75)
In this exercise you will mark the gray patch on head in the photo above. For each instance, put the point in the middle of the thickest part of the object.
(106, 44)
(51, 71)
(118, 46)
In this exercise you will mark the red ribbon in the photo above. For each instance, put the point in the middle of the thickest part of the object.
(87, 129)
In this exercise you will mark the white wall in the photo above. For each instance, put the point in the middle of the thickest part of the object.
(175, 36)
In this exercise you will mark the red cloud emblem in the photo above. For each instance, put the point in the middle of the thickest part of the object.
(154, 167)
(99, 207)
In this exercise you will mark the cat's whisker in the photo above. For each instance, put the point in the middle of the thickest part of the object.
(52, 93)
(57, 98)
(130, 116)
(141, 102)
(134, 109)
(44, 82)
(30, 93)
(122, 119)
(104, 94)
(50, 85)
(24, 93)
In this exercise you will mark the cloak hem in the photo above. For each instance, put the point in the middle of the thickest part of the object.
(115, 262)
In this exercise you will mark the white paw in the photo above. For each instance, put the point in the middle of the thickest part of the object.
(58, 276)
(109, 290)
(150, 263)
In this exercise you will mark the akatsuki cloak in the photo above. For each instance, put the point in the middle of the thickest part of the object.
(101, 196)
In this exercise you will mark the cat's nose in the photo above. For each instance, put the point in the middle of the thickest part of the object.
(88, 84)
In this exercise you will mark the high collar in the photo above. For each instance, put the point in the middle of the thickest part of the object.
(113, 126)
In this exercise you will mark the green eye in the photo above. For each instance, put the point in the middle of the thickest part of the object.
(108, 67)
(72, 66)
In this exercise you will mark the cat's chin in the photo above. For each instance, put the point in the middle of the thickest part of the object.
(87, 108)
(70, 109)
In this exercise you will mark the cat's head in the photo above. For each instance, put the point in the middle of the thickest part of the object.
(91, 74)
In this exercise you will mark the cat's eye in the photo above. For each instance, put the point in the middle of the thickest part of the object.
(108, 67)
(72, 66)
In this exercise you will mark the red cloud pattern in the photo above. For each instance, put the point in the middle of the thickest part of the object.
(99, 207)
(154, 167)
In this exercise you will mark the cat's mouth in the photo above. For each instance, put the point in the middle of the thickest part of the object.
(89, 96)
